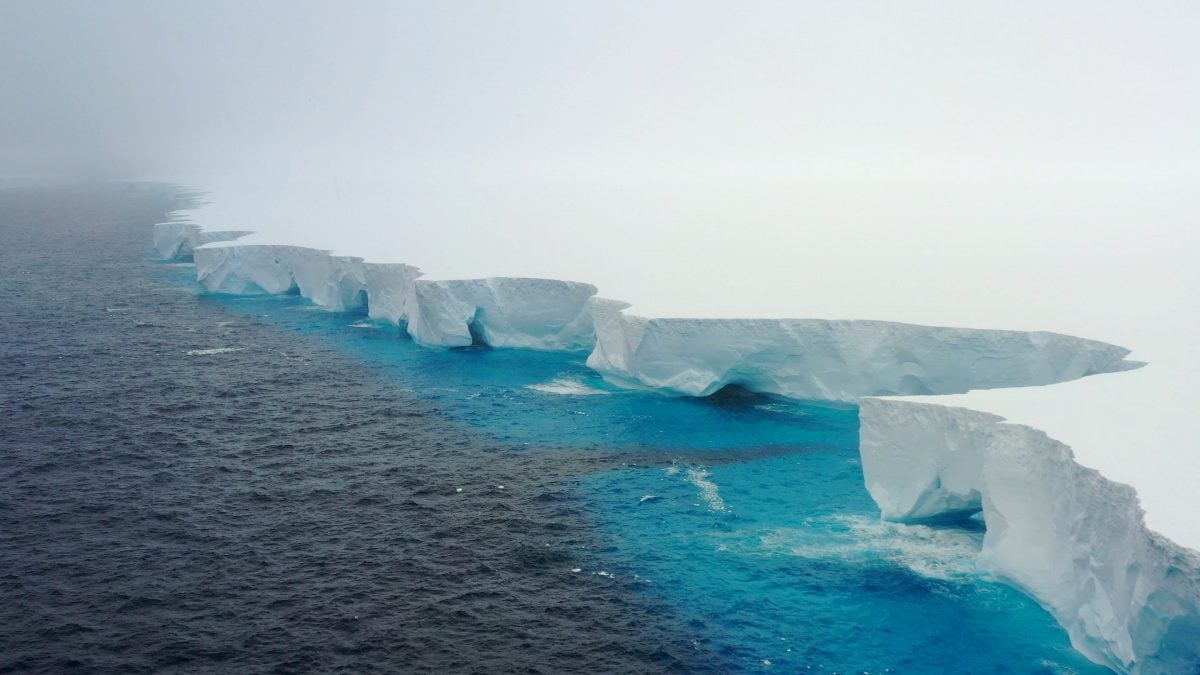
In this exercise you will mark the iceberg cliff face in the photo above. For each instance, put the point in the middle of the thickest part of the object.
(542, 314)
(1072, 539)
(175, 240)
(503, 312)
(832, 360)
(250, 269)
(389, 290)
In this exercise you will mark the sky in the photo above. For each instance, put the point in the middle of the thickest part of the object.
(597, 89)
(999, 164)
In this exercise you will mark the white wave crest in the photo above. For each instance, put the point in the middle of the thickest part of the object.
(945, 554)
(218, 350)
(565, 387)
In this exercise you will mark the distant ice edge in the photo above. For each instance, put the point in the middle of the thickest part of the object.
(1128, 597)
(545, 314)
(1069, 537)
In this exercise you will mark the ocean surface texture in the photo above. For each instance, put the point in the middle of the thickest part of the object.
(200, 483)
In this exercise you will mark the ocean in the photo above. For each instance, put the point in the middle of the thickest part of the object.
(192, 482)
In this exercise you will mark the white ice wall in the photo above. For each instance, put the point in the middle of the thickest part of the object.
(503, 312)
(1074, 540)
(176, 239)
(544, 314)
(833, 360)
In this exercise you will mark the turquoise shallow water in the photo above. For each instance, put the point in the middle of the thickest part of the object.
(745, 514)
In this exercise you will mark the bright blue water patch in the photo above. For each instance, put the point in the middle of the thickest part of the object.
(746, 513)
(783, 565)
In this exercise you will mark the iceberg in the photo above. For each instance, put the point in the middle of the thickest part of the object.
(176, 239)
(833, 360)
(1070, 537)
(1063, 533)
(545, 314)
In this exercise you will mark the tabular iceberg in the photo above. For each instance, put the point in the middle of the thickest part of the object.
(833, 360)
(1072, 539)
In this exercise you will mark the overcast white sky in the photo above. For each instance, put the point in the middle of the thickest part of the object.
(1009, 164)
(599, 88)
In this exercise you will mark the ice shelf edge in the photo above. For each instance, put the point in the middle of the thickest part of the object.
(847, 360)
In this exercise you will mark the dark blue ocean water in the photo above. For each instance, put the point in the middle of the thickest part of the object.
(192, 482)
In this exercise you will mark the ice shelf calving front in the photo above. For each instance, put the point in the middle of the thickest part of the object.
(1072, 539)
(175, 240)
(545, 314)
(833, 360)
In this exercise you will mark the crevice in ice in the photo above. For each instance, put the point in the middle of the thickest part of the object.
(477, 330)
(361, 304)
